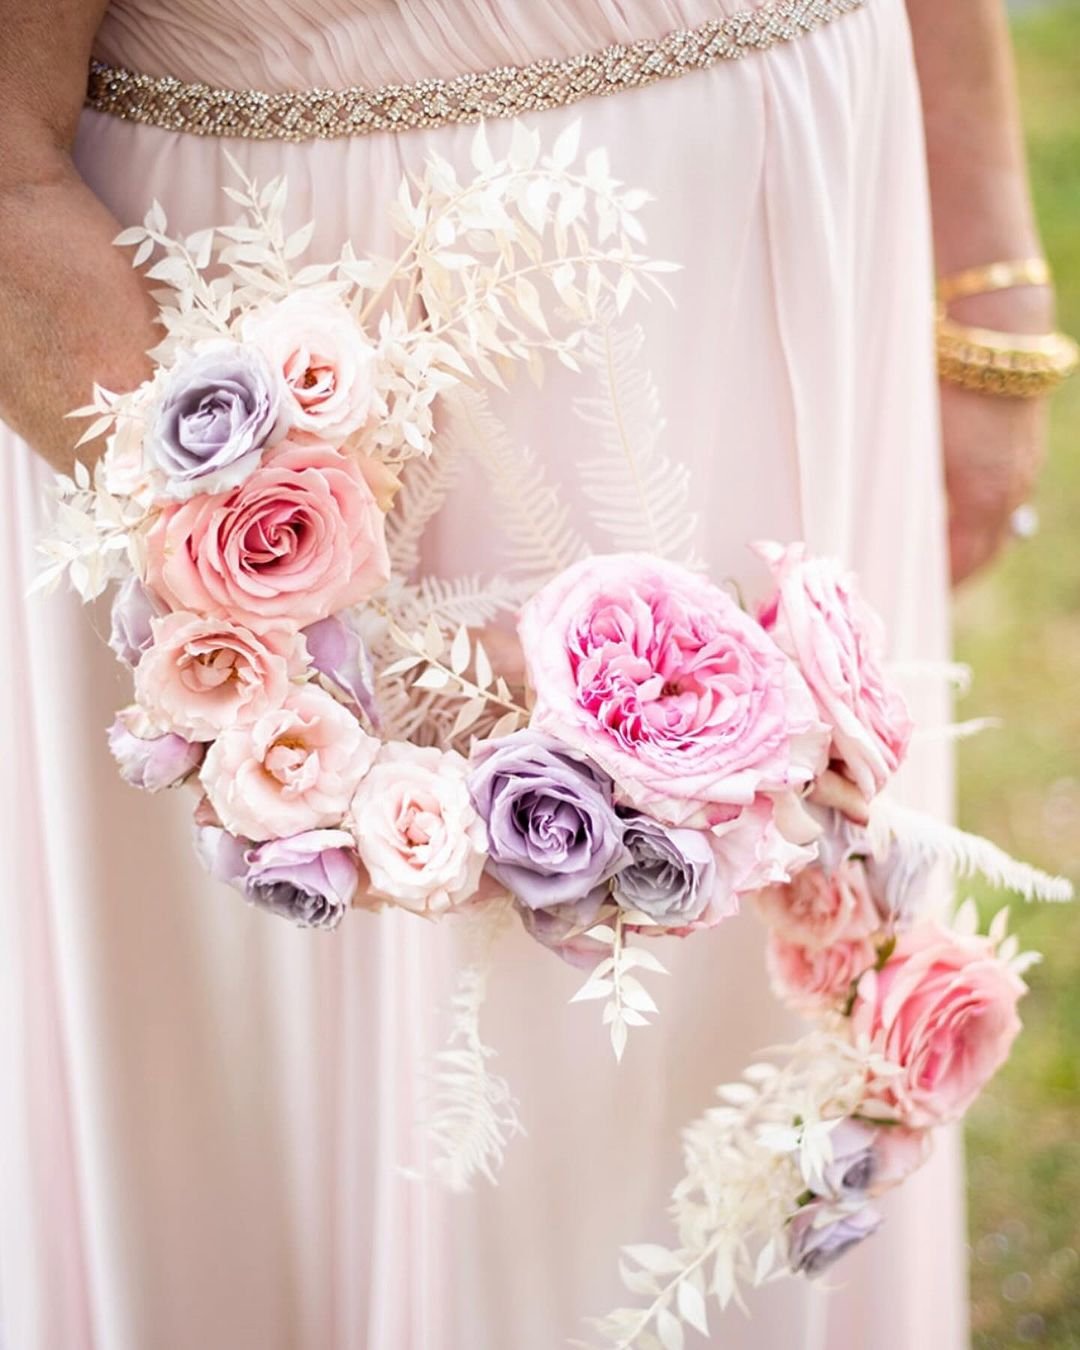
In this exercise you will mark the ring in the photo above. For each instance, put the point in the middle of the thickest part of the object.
(1024, 522)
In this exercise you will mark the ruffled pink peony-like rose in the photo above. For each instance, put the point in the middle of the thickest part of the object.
(323, 360)
(201, 676)
(417, 831)
(818, 907)
(301, 538)
(293, 769)
(943, 1010)
(822, 622)
(814, 979)
(664, 682)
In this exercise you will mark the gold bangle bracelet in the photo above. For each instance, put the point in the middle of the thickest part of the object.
(1014, 365)
(997, 276)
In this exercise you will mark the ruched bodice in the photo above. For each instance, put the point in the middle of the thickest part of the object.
(291, 44)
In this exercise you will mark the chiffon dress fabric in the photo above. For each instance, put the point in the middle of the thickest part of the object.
(207, 1115)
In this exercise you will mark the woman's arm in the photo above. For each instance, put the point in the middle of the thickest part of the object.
(72, 310)
(982, 213)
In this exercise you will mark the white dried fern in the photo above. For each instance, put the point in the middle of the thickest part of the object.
(640, 498)
(474, 1115)
(425, 485)
(540, 540)
(965, 854)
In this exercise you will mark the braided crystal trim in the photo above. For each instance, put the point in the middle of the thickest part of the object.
(505, 92)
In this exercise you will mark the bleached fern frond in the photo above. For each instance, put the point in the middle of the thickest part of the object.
(453, 601)
(425, 484)
(965, 854)
(954, 673)
(474, 1115)
(540, 540)
(640, 498)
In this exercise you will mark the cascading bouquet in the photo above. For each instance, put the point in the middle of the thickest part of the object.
(644, 755)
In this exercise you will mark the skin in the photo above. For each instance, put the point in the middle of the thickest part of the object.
(72, 311)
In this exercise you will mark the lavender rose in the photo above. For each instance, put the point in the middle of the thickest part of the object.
(854, 1161)
(148, 760)
(310, 879)
(133, 608)
(671, 876)
(562, 929)
(216, 412)
(338, 654)
(553, 834)
(819, 1235)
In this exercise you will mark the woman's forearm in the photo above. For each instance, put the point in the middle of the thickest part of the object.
(72, 310)
(980, 198)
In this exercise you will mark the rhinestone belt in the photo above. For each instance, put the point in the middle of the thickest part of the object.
(505, 92)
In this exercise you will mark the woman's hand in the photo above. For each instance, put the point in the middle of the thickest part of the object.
(994, 446)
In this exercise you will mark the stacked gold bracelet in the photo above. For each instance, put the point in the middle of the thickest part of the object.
(1016, 365)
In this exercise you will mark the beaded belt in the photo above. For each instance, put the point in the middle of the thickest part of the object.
(506, 92)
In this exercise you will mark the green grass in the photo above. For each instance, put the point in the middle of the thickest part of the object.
(1020, 630)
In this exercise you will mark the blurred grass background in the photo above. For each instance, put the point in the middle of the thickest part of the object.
(1020, 630)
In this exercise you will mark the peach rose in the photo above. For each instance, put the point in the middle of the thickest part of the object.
(817, 908)
(416, 829)
(818, 617)
(324, 362)
(301, 538)
(293, 769)
(814, 979)
(200, 675)
(943, 1010)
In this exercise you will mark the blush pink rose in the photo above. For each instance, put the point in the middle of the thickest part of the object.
(814, 979)
(324, 362)
(417, 831)
(293, 769)
(201, 675)
(299, 539)
(943, 1011)
(818, 617)
(898, 1152)
(819, 907)
(663, 681)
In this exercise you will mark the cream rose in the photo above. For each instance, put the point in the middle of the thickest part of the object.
(293, 769)
(416, 829)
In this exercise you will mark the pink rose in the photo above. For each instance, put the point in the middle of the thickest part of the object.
(664, 682)
(898, 1152)
(324, 362)
(299, 539)
(293, 769)
(819, 619)
(817, 907)
(200, 676)
(943, 1010)
(814, 979)
(416, 829)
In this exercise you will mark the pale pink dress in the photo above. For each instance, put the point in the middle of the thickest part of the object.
(205, 1111)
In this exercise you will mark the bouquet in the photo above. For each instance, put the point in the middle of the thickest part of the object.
(644, 757)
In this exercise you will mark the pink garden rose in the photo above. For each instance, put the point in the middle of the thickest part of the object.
(814, 979)
(324, 362)
(299, 539)
(819, 619)
(898, 1152)
(293, 769)
(663, 681)
(818, 907)
(201, 676)
(943, 1010)
(417, 831)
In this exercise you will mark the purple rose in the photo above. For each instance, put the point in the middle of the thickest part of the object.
(898, 883)
(339, 655)
(819, 1235)
(151, 761)
(854, 1161)
(671, 876)
(310, 878)
(133, 608)
(216, 412)
(562, 929)
(553, 834)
